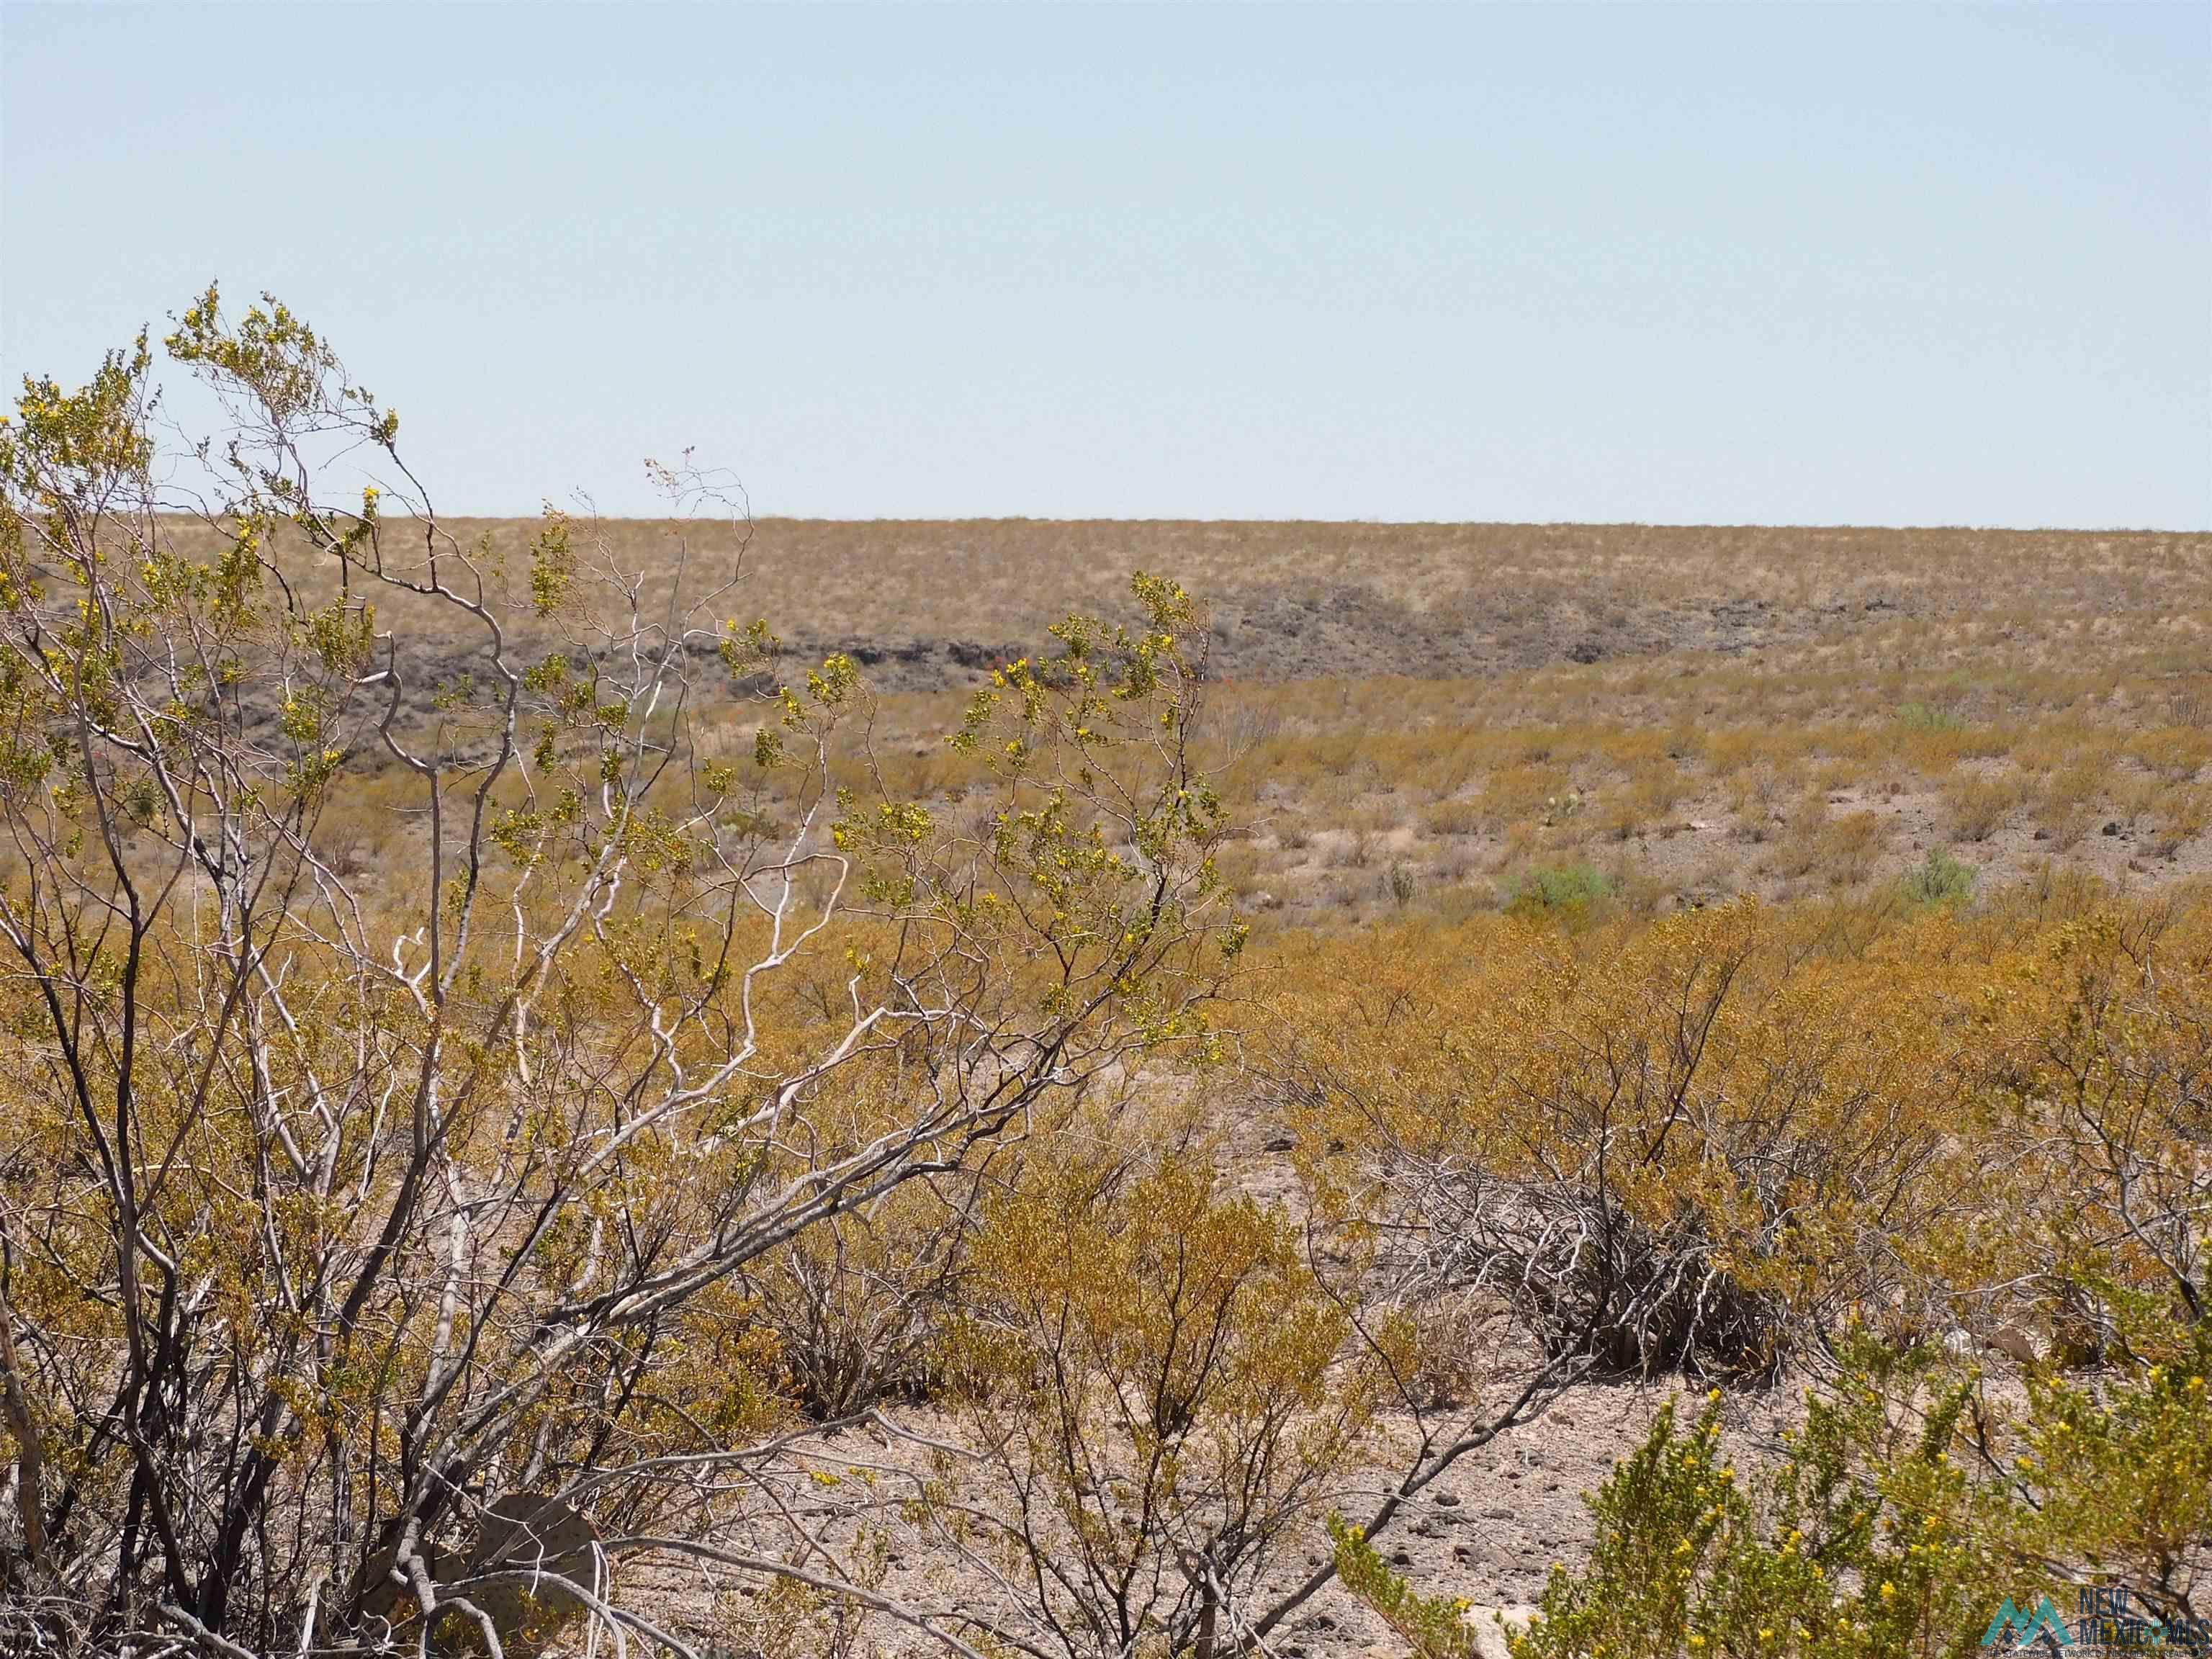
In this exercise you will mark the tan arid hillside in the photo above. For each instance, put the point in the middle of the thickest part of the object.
(1304, 600)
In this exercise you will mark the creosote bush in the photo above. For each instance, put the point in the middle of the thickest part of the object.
(1908, 1505)
(1709, 1142)
(1662, 1146)
(337, 1209)
(1152, 1372)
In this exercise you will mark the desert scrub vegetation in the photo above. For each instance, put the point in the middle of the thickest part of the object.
(1704, 1142)
(2014, 1166)
(521, 1079)
(1621, 1139)
(1450, 680)
(1492, 776)
(1911, 1504)
(388, 1267)
(1148, 1369)
(1567, 890)
(1939, 879)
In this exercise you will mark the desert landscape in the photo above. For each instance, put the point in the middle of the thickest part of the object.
(1012, 1087)
(1677, 714)
(1105, 832)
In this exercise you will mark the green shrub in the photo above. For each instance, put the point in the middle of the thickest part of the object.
(1433, 1626)
(2119, 1463)
(1860, 1542)
(1568, 889)
(1895, 1522)
(1929, 717)
(1941, 879)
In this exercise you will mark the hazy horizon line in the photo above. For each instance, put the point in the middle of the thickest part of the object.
(758, 519)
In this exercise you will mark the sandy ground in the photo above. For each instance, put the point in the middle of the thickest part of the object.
(1489, 1530)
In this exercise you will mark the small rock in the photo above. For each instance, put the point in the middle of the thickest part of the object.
(2113, 827)
(1283, 1143)
(1488, 1626)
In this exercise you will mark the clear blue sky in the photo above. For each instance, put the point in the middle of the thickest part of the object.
(1872, 264)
